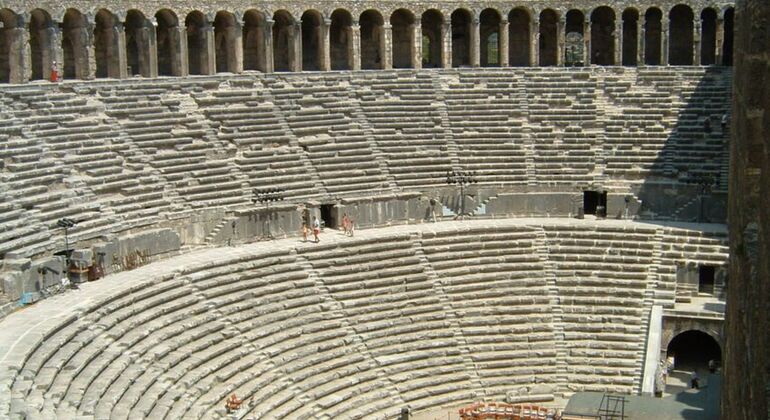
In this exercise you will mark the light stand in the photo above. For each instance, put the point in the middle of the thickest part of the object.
(266, 196)
(462, 178)
(66, 224)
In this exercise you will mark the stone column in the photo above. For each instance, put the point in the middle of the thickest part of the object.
(325, 52)
(121, 72)
(354, 46)
(26, 56)
(720, 40)
(209, 65)
(587, 43)
(534, 43)
(151, 34)
(18, 61)
(504, 55)
(446, 45)
(475, 47)
(618, 42)
(664, 41)
(237, 52)
(88, 71)
(295, 43)
(561, 27)
(386, 46)
(641, 34)
(181, 62)
(696, 40)
(268, 36)
(416, 41)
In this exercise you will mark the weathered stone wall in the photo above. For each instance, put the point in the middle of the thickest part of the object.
(747, 357)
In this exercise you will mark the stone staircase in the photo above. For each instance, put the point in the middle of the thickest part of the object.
(558, 322)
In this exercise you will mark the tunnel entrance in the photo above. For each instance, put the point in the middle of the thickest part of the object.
(693, 349)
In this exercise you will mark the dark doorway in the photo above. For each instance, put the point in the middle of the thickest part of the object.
(693, 349)
(461, 44)
(706, 279)
(548, 30)
(595, 202)
(652, 42)
(630, 37)
(328, 218)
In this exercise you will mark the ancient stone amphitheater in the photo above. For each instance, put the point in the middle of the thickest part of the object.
(161, 140)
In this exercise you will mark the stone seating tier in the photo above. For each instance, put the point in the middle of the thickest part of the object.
(143, 150)
(427, 316)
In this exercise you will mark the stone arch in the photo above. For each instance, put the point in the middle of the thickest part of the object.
(311, 40)
(138, 43)
(630, 37)
(167, 36)
(284, 58)
(727, 44)
(548, 37)
(603, 36)
(254, 41)
(40, 42)
(680, 36)
(227, 35)
(402, 22)
(372, 40)
(461, 38)
(653, 28)
(692, 349)
(107, 45)
(574, 42)
(10, 47)
(341, 40)
(518, 37)
(197, 43)
(75, 40)
(708, 39)
(431, 38)
(489, 38)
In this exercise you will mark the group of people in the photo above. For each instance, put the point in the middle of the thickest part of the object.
(316, 230)
(348, 227)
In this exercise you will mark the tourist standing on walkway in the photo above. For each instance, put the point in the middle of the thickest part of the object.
(345, 223)
(316, 229)
(694, 380)
(304, 232)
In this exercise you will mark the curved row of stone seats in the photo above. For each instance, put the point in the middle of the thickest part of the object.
(562, 117)
(248, 119)
(639, 120)
(497, 289)
(695, 95)
(486, 116)
(359, 327)
(399, 107)
(123, 155)
(49, 137)
(165, 126)
(386, 295)
(601, 280)
(326, 121)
